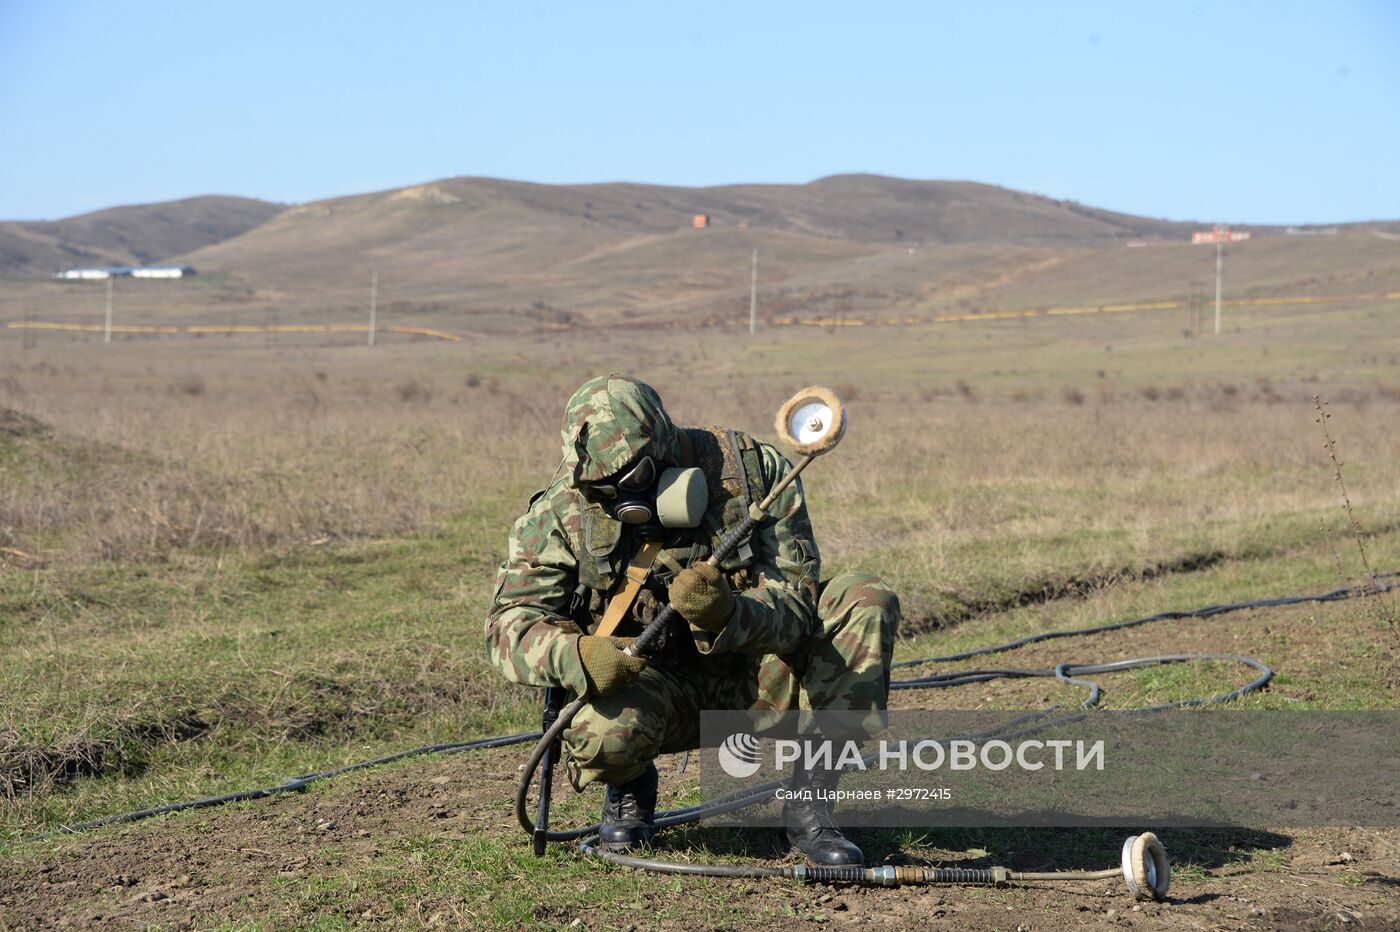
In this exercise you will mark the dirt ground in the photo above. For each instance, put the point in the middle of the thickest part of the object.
(303, 859)
(201, 869)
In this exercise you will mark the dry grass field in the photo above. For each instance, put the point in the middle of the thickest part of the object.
(229, 559)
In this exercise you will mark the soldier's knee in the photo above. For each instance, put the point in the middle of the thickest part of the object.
(865, 598)
(602, 746)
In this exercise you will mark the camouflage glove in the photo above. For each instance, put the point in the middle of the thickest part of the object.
(701, 594)
(605, 666)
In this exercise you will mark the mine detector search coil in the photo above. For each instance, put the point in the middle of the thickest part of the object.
(811, 422)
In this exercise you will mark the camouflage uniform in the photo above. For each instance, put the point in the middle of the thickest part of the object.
(789, 633)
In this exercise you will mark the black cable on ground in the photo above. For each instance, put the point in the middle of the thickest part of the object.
(1332, 595)
(293, 783)
(1065, 672)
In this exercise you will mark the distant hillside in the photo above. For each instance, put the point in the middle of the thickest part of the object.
(858, 208)
(132, 235)
(488, 255)
(503, 244)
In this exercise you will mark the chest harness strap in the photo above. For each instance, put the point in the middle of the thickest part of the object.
(637, 572)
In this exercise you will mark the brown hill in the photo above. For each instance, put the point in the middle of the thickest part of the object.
(485, 253)
(475, 254)
(130, 235)
(505, 244)
(855, 208)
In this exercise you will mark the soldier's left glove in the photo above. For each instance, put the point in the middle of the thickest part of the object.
(605, 666)
(702, 595)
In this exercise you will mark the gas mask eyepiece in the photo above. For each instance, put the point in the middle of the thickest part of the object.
(629, 497)
(645, 494)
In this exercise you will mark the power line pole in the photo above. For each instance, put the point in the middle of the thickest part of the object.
(753, 294)
(1220, 234)
(107, 329)
(373, 303)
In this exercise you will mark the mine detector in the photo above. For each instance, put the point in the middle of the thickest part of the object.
(811, 422)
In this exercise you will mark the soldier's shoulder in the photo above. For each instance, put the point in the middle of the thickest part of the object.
(709, 442)
(767, 448)
(555, 508)
(774, 462)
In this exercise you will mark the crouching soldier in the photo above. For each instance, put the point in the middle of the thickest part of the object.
(638, 505)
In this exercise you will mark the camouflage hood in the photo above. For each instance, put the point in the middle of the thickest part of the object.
(610, 421)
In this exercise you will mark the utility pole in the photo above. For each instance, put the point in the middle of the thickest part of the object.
(1220, 234)
(107, 329)
(373, 303)
(753, 294)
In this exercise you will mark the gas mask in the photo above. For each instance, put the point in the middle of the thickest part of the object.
(646, 494)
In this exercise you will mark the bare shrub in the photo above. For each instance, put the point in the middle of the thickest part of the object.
(1072, 395)
(413, 391)
(16, 424)
(1381, 604)
(1150, 392)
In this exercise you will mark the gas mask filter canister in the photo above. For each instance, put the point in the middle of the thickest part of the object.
(681, 498)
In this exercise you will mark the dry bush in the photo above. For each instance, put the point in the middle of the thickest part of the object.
(413, 391)
(189, 385)
(846, 391)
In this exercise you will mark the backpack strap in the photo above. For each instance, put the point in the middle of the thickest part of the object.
(637, 572)
(751, 477)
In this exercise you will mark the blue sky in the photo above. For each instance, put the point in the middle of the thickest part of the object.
(1239, 111)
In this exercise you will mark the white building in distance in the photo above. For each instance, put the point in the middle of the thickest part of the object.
(100, 273)
(164, 271)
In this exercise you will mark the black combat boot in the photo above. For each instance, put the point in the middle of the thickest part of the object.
(810, 827)
(629, 812)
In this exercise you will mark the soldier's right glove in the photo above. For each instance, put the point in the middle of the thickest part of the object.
(703, 597)
(606, 667)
